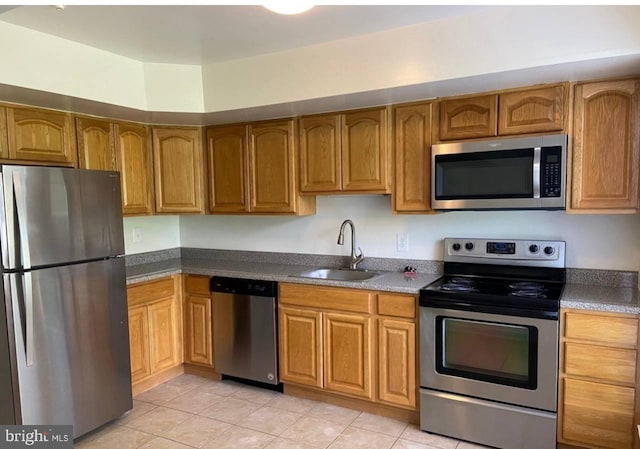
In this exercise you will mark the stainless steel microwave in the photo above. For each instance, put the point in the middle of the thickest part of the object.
(509, 173)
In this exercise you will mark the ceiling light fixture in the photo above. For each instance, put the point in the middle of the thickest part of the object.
(288, 7)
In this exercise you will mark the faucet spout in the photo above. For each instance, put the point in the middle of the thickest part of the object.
(355, 260)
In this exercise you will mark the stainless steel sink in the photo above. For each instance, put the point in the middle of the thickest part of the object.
(339, 274)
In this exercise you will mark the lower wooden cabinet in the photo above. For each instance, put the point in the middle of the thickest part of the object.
(347, 354)
(597, 389)
(397, 362)
(198, 321)
(139, 343)
(300, 344)
(155, 327)
(332, 339)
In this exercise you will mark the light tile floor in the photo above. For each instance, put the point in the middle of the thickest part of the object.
(192, 412)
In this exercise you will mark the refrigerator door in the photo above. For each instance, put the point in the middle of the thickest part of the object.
(71, 344)
(7, 406)
(57, 215)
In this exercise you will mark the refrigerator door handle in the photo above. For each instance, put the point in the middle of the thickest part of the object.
(27, 301)
(21, 221)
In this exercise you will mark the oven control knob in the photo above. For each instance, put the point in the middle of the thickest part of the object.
(468, 246)
(534, 248)
(548, 250)
(456, 247)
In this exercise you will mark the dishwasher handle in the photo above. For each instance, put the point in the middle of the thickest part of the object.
(238, 286)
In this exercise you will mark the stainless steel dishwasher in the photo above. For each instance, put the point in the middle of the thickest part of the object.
(245, 341)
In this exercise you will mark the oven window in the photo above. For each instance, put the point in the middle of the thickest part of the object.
(494, 352)
(485, 175)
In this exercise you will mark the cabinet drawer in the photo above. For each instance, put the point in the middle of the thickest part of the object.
(401, 306)
(597, 414)
(150, 291)
(198, 285)
(600, 362)
(348, 300)
(617, 331)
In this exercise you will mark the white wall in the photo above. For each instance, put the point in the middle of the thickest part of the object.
(157, 232)
(41, 61)
(173, 87)
(593, 241)
(488, 41)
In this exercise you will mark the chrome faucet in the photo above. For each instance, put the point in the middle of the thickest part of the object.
(355, 260)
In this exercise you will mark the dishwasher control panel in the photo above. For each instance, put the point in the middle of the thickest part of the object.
(252, 287)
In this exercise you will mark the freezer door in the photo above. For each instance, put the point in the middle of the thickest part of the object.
(57, 215)
(71, 344)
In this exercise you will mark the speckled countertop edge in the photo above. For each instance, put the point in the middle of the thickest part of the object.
(614, 291)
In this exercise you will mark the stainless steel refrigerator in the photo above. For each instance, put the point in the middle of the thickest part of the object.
(64, 341)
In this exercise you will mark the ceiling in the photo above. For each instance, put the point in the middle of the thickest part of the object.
(210, 34)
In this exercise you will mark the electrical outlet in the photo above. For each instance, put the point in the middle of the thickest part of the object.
(137, 235)
(402, 242)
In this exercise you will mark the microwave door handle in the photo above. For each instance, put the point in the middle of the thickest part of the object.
(537, 151)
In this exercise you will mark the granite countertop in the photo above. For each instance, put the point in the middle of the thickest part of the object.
(601, 298)
(605, 298)
(387, 280)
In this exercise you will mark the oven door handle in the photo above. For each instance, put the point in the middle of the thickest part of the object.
(483, 308)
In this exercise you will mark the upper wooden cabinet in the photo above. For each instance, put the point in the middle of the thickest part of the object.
(178, 170)
(518, 111)
(96, 144)
(468, 117)
(4, 144)
(252, 169)
(320, 150)
(272, 171)
(412, 151)
(534, 110)
(345, 152)
(228, 156)
(606, 145)
(41, 136)
(133, 155)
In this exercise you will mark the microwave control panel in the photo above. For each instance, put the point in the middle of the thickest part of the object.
(550, 172)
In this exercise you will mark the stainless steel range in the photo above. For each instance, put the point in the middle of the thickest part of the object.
(489, 343)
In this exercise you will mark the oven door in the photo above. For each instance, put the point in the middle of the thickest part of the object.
(497, 357)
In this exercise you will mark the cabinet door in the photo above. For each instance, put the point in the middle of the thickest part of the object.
(300, 343)
(606, 145)
(365, 151)
(597, 415)
(41, 136)
(347, 358)
(271, 163)
(320, 163)
(139, 343)
(320, 153)
(465, 118)
(4, 143)
(412, 190)
(96, 144)
(227, 154)
(134, 161)
(532, 111)
(177, 158)
(199, 347)
(397, 362)
(163, 337)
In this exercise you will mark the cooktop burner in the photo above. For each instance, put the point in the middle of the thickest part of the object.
(513, 277)
(460, 284)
